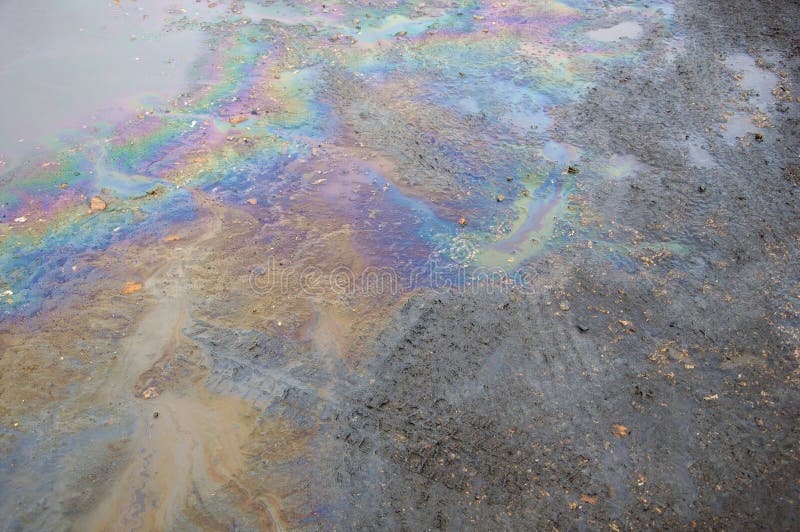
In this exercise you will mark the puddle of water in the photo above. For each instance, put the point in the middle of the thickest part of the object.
(561, 152)
(758, 81)
(623, 30)
(737, 126)
(77, 65)
(700, 157)
(620, 166)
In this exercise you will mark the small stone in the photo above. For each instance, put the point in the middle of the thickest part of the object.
(701, 188)
(462, 221)
(572, 170)
(582, 328)
(564, 305)
(155, 414)
(500, 197)
(252, 201)
(759, 137)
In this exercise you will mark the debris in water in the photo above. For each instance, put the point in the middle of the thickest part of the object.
(21, 220)
(572, 170)
(172, 238)
(620, 431)
(150, 393)
(462, 221)
(252, 201)
(97, 204)
(131, 287)
(500, 197)
(238, 119)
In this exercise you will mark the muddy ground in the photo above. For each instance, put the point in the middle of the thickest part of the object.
(502, 410)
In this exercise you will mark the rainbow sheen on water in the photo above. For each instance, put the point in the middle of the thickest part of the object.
(460, 101)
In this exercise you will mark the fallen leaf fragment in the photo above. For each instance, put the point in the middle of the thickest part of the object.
(589, 499)
(462, 221)
(172, 238)
(238, 119)
(711, 397)
(150, 393)
(252, 201)
(620, 431)
(131, 287)
(97, 204)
